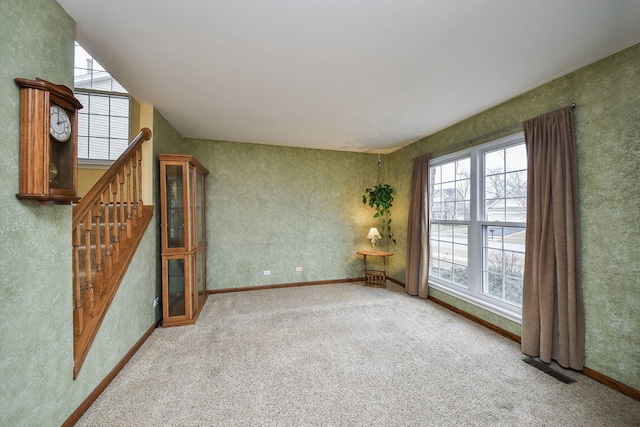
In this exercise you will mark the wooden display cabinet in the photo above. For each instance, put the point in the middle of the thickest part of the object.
(184, 244)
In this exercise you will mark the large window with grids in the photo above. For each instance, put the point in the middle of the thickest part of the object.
(103, 123)
(477, 216)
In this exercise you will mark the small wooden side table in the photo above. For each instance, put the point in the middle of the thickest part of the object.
(375, 278)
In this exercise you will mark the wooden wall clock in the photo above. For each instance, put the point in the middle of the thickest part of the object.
(48, 142)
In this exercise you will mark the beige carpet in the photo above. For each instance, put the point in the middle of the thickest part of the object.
(343, 355)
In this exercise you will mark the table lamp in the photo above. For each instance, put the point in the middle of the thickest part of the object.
(374, 236)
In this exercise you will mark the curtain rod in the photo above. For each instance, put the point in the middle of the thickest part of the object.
(475, 138)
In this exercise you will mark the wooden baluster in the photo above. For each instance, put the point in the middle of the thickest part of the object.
(97, 283)
(139, 169)
(78, 316)
(105, 201)
(134, 188)
(108, 261)
(129, 200)
(89, 301)
(115, 227)
(123, 218)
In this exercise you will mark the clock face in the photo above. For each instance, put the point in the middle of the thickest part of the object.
(60, 124)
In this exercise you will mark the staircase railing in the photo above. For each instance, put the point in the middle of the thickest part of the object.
(108, 224)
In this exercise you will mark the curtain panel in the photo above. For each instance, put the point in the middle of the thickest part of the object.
(552, 306)
(417, 271)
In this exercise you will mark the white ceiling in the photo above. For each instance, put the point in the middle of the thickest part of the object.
(354, 75)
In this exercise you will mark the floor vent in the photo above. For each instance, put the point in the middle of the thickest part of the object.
(547, 370)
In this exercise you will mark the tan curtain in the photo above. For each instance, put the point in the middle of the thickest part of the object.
(417, 273)
(552, 310)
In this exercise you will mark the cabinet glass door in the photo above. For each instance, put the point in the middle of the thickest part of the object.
(176, 298)
(199, 207)
(201, 276)
(174, 206)
(192, 288)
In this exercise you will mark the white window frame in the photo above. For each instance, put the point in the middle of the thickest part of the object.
(473, 294)
(95, 163)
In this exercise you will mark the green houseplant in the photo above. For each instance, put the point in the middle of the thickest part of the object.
(380, 198)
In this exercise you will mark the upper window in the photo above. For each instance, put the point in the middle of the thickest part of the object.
(478, 201)
(103, 123)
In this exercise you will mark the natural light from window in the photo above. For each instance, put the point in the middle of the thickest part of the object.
(103, 123)
(478, 201)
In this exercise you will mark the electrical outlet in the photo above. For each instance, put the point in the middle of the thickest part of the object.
(156, 302)
(267, 272)
(298, 268)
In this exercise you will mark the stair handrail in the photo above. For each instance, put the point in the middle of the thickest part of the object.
(83, 206)
(115, 201)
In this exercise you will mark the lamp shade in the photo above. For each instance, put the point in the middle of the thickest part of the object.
(373, 234)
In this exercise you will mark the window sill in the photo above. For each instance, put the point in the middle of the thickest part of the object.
(94, 164)
(478, 302)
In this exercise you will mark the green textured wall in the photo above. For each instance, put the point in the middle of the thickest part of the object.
(165, 140)
(278, 208)
(36, 330)
(607, 120)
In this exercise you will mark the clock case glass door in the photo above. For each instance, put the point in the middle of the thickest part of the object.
(48, 167)
(62, 157)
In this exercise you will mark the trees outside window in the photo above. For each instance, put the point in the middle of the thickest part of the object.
(477, 224)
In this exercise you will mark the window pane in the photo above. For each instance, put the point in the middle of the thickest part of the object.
(83, 125)
(103, 123)
(98, 148)
(513, 290)
(99, 126)
(98, 104)
(463, 167)
(503, 262)
(449, 210)
(515, 184)
(505, 184)
(436, 174)
(448, 172)
(494, 162)
(119, 106)
(494, 237)
(83, 147)
(464, 187)
(116, 147)
(117, 87)
(461, 212)
(446, 270)
(83, 78)
(84, 100)
(494, 285)
(498, 189)
(461, 275)
(516, 209)
(494, 187)
(494, 210)
(516, 157)
(449, 190)
(102, 81)
(514, 238)
(450, 253)
(119, 127)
